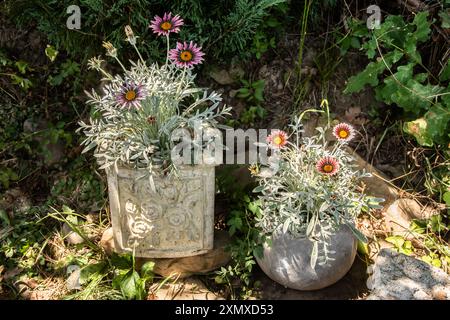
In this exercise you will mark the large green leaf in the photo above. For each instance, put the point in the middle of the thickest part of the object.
(370, 74)
(129, 284)
(405, 90)
(438, 120)
(422, 24)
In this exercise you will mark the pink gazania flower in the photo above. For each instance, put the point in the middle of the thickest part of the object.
(328, 166)
(186, 55)
(130, 95)
(166, 24)
(344, 132)
(277, 139)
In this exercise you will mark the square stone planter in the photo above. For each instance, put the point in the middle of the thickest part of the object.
(175, 219)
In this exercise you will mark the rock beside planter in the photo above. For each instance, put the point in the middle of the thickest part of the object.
(185, 266)
(399, 215)
(287, 261)
(70, 236)
(377, 185)
(396, 276)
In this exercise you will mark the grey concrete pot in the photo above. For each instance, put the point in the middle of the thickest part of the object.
(173, 219)
(287, 261)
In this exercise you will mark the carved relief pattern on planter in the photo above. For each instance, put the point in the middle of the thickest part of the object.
(169, 219)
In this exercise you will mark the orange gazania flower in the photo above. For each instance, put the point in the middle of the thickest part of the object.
(277, 139)
(344, 132)
(328, 166)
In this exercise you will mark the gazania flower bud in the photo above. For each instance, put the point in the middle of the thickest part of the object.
(131, 38)
(110, 49)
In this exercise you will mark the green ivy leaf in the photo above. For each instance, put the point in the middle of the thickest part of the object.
(446, 198)
(370, 74)
(445, 19)
(438, 120)
(422, 26)
(397, 241)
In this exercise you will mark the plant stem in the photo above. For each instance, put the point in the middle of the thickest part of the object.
(124, 69)
(168, 49)
(139, 54)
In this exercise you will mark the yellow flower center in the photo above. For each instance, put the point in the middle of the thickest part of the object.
(166, 25)
(343, 133)
(277, 140)
(130, 95)
(186, 55)
(327, 168)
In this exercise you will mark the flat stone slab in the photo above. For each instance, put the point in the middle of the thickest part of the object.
(184, 266)
(396, 276)
(185, 289)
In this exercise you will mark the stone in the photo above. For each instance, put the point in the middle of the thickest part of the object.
(396, 276)
(184, 266)
(73, 278)
(70, 236)
(378, 185)
(200, 264)
(107, 241)
(186, 289)
(222, 77)
(163, 217)
(287, 261)
(236, 71)
(399, 215)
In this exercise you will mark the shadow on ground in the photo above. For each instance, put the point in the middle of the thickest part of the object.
(351, 286)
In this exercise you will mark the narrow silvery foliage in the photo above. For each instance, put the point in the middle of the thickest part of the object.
(133, 119)
(301, 198)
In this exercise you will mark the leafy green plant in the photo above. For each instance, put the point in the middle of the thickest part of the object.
(7, 175)
(133, 284)
(400, 76)
(224, 28)
(400, 244)
(16, 71)
(269, 30)
(253, 93)
(246, 242)
(430, 241)
(261, 43)
(68, 68)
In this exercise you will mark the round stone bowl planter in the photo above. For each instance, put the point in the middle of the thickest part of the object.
(175, 218)
(287, 260)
